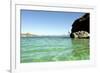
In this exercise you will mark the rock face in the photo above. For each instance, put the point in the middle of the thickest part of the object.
(80, 28)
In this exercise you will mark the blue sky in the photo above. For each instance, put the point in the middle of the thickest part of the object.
(47, 22)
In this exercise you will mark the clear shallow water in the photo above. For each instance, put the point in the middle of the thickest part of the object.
(45, 49)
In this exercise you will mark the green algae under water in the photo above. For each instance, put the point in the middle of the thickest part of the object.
(49, 49)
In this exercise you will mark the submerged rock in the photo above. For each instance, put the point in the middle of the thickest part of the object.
(80, 28)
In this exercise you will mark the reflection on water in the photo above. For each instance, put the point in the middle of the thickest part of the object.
(45, 49)
(81, 49)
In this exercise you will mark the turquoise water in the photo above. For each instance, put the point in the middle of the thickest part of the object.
(45, 49)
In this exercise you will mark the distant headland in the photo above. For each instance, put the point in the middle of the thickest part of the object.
(28, 34)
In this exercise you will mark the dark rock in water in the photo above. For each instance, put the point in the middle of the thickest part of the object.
(80, 28)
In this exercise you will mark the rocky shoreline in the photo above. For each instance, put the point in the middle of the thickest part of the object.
(80, 28)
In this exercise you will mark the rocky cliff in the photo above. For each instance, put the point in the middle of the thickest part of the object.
(80, 28)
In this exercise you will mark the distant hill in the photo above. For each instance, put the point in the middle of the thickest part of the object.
(34, 35)
(27, 35)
